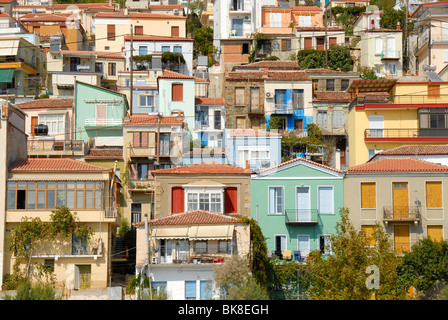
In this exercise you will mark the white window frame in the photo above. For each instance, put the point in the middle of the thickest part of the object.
(146, 95)
(42, 119)
(332, 200)
(205, 191)
(304, 253)
(250, 150)
(327, 237)
(283, 241)
(276, 203)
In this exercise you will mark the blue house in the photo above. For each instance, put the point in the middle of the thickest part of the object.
(252, 148)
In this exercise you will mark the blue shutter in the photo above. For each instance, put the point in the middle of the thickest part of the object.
(190, 289)
(206, 289)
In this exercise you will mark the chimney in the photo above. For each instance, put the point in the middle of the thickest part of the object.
(398, 25)
(247, 164)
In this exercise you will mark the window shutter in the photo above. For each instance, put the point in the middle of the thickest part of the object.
(230, 200)
(144, 141)
(308, 43)
(134, 171)
(368, 195)
(325, 199)
(434, 194)
(175, 31)
(177, 92)
(111, 32)
(177, 200)
(378, 45)
(136, 139)
(190, 289)
(435, 233)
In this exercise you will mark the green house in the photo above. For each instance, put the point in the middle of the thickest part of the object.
(99, 114)
(297, 206)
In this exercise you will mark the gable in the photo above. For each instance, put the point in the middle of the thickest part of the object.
(299, 169)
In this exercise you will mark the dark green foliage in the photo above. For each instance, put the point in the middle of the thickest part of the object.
(37, 292)
(339, 58)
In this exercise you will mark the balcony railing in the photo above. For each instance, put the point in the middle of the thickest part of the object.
(56, 147)
(111, 212)
(185, 255)
(301, 216)
(392, 133)
(401, 213)
(283, 108)
(391, 54)
(259, 164)
(103, 122)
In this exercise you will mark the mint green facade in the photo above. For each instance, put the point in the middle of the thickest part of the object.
(98, 112)
(297, 206)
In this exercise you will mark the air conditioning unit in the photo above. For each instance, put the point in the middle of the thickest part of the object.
(176, 12)
(269, 95)
(247, 18)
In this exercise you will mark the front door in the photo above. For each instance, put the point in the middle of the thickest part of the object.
(400, 199)
(303, 204)
(401, 238)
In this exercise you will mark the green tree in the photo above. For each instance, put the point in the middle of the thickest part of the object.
(390, 17)
(342, 275)
(338, 58)
(40, 291)
(367, 72)
(203, 43)
(425, 264)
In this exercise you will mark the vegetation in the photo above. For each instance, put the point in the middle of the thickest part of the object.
(339, 58)
(345, 17)
(40, 291)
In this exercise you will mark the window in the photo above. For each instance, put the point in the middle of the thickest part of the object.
(177, 49)
(200, 246)
(286, 44)
(140, 139)
(166, 49)
(177, 92)
(217, 119)
(276, 203)
(239, 96)
(345, 84)
(164, 144)
(330, 84)
(376, 126)
(368, 232)
(138, 30)
(55, 122)
(338, 118)
(325, 200)
(434, 194)
(112, 68)
(111, 32)
(146, 100)
(98, 67)
(79, 245)
(175, 31)
(51, 194)
(245, 48)
(373, 152)
(241, 122)
(297, 99)
(378, 45)
(190, 290)
(224, 246)
(255, 99)
(322, 118)
(304, 21)
(209, 201)
(368, 195)
(435, 233)
(303, 244)
(206, 289)
(433, 91)
(275, 19)
(280, 243)
(142, 50)
(324, 244)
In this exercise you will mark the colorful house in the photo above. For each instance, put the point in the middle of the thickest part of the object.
(99, 114)
(403, 194)
(297, 206)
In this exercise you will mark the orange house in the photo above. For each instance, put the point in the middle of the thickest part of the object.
(47, 25)
(282, 20)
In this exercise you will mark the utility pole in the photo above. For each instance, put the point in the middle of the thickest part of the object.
(326, 41)
(131, 69)
(405, 27)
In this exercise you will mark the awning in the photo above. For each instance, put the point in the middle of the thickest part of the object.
(219, 232)
(170, 233)
(6, 75)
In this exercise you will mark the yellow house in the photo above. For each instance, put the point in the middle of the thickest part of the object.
(37, 186)
(387, 113)
(111, 27)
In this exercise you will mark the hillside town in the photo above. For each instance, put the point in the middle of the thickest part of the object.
(153, 148)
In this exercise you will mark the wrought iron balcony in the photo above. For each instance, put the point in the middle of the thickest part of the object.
(301, 216)
(401, 213)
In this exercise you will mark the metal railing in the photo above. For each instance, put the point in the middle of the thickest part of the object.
(103, 122)
(35, 145)
(392, 133)
(391, 54)
(283, 108)
(401, 213)
(298, 216)
(111, 212)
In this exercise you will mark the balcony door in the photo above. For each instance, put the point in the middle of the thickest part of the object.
(400, 199)
(376, 126)
(303, 204)
(401, 238)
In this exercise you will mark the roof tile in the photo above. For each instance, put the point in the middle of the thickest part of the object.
(398, 165)
(196, 217)
(207, 167)
(56, 165)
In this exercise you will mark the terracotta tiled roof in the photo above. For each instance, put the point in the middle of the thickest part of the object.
(300, 160)
(332, 96)
(395, 165)
(138, 15)
(311, 29)
(55, 165)
(96, 153)
(324, 70)
(306, 8)
(279, 75)
(168, 74)
(277, 65)
(209, 101)
(45, 17)
(47, 103)
(84, 6)
(414, 150)
(196, 217)
(207, 167)
(148, 119)
(209, 151)
(252, 133)
(156, 38)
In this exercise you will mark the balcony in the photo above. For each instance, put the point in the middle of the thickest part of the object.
(406, 134)
(401, 214)
(102, 122)
(184, 254)
(51, 147)
(391, 55)
(143, 185)
(301, 216)
(260, 164)
(283, 108)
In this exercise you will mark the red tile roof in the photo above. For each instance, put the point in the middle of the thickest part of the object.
(168, 74)
(273, 65)
(96, 153)
(332, 96)
(396, 165)
(279, 75)
(55, 165)
(207, 167)
(47, 17)
(196, 217)
(148, 119)
(306, 8)
(209, 101)
(138, 15)
(301, 160)
(156, 38)
(252, 133)
(47, 103)
(417, 150)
